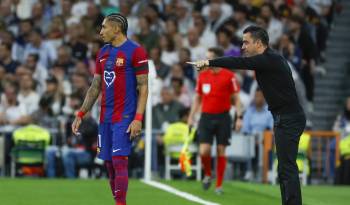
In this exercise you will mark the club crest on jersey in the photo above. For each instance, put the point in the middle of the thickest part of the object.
(206, 88)
(119, 62)
(109, 77)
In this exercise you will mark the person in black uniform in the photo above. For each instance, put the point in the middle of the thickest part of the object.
(274, 77)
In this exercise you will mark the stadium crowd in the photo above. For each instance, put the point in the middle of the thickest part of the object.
(48, 50)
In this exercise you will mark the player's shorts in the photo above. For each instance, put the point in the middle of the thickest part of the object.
(218, 125)
(113, 140)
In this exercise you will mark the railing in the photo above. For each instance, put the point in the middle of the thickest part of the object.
(317, 137)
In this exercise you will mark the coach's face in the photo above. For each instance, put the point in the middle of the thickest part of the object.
(250, 46)
(109, 31)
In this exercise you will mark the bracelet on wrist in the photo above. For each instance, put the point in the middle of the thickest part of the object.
(138, 117)
(80, 114)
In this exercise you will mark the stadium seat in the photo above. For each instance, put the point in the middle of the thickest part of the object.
(28, 158)
(177, 149)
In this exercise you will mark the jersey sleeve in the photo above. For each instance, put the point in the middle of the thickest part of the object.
(140, 61)
(98, 68)
(235, 85)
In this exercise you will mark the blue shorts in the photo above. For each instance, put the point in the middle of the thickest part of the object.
(113, 140)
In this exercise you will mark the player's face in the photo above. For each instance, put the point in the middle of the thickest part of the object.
(109, 31)
(250, 46)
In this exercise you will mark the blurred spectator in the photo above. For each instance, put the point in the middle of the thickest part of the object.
(6, 60)
(64, 58)
(172, 30)
(125, 10)
(217, 13)
(76, 41)
(25, 26)
(207, 37)
(95, 16)
(27, 94)
(342, 123)
(166, 111)
(177, 72)
(169, 55)
(58, 98)
(79, 149)
(40, 73)
(11, 111)
(45, 50)
(44, 116)
(181, 94)
(7, 15)
(303, 39)
(56, 31)
(80, 84)
(182, 13)
(275, 27)
(152, 13)
(39, 19)
(161, 68)
(241, 16)
(184, 57)
(223, 37)
(257, 118)
(290, 51)
(146, 37)
(192, 43)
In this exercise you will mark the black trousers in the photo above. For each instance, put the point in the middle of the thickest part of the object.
(287, 129)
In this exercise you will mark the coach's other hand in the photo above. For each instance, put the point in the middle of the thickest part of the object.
(75, 125)
(134, 129)
(199, 64)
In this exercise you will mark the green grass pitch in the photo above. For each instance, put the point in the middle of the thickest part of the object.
(93, 192)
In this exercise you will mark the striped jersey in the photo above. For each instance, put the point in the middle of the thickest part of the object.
(118, 67)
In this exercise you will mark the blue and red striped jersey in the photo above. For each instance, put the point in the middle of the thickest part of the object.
(119, 67)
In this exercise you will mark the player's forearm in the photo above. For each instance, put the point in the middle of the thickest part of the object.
(142, 99)
(142, 84)
(91, 95)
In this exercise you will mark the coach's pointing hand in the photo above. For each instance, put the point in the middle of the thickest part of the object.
(134, 129)
(199, 64)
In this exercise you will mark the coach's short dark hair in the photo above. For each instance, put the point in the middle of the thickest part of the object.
(258, 33)
(120, 19)
(218, 52)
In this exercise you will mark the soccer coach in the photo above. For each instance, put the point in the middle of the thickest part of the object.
(274, 77)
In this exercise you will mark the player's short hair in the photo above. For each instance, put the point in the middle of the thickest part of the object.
(218, 52)
(120, 19)
(258, 33)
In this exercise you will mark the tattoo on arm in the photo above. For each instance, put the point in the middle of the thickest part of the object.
(142, 84)
(142, 80)
(92, 94)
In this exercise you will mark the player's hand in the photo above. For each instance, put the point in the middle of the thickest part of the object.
(134, 129)
(199, 65)
(75, 125)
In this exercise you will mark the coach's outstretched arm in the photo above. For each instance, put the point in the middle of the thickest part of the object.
(142, 85)
(89, 101)
(234, 63)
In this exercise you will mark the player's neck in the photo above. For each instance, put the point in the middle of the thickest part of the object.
(118, 41)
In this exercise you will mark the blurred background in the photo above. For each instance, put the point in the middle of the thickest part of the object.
(47, 61)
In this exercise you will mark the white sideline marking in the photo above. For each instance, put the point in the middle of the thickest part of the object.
(179, 193)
